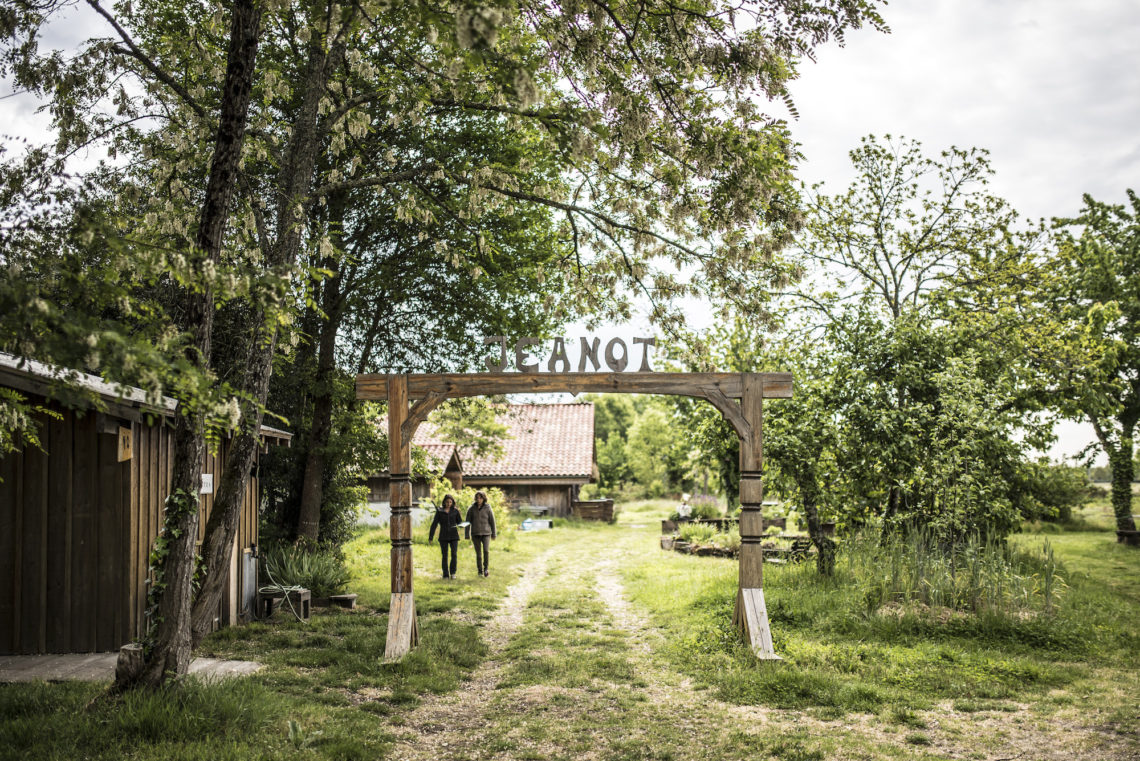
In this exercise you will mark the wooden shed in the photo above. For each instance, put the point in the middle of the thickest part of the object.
(80, 514)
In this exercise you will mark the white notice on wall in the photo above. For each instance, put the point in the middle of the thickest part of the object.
(207, 484)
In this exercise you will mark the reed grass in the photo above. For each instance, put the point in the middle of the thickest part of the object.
(979, 575)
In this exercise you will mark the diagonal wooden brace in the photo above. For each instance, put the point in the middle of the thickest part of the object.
(751, 617)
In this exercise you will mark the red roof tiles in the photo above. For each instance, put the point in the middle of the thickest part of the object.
(438, 454)
(545, 440)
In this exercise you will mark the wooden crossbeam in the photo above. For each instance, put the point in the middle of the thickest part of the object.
(452, 385)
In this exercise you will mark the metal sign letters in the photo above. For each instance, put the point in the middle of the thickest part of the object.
(616, 354)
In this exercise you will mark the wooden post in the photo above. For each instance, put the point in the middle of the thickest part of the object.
(402, 629)
(751, 613)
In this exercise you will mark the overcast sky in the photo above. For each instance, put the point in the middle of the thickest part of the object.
(1050, 87)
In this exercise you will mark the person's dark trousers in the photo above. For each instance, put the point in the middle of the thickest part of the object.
(482, 552)
(444, 548)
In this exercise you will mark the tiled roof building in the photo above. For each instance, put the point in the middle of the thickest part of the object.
(548, 454)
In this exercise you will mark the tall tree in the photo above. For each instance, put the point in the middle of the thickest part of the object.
(78, 94)
(668, 180)
(898, 240)
(169, 653)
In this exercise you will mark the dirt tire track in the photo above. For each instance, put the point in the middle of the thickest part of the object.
(426, 736)
(666, 687)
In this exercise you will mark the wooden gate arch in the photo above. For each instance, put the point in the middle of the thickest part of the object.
(738, 396)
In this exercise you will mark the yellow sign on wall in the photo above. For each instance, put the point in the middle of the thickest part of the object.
(124, 444)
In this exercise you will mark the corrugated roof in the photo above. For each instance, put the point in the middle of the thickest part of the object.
(545, 440)
(14, 367)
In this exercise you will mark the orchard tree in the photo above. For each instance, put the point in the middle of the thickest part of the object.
(930, 405)
(1094, 294)
(910, 409)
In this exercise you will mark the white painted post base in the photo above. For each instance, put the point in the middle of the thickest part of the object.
(403, 631)
(752, 618)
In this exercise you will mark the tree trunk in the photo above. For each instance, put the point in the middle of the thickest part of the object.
(1122, 465)
(295, 180)
(221, 528)
(169, 653)
(894, 498)
(309, 519)
(826, 559)
(312, 487)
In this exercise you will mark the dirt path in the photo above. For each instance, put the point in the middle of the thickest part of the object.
(443, 724)
(455, 725)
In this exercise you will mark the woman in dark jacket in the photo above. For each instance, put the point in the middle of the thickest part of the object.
(447, 519)
(482, 528)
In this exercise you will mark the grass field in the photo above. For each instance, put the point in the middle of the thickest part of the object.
(577, 679)
(913, 670)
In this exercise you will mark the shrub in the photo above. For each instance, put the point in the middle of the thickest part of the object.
(729, 540)
(590, 491)
(320, 571)
(1050, 492)
(706, 508)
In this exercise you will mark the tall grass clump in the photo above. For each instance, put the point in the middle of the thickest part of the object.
(320, 571)
(697, 533)
(977, 575)
(194, 710)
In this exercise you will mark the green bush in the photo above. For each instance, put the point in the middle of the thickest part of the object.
(697, 533)
(590, 491)
(322, 572)
(1047, 491)
(706, 508)
(729, 540)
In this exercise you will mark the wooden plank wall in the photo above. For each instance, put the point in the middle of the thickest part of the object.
(151, 465)
(64, 526)
(76, 531)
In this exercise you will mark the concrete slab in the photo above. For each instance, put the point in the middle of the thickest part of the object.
(100, 667)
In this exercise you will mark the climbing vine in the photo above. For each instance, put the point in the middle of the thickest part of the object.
(177, 507)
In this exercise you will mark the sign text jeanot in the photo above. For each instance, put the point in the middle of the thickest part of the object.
(616, 354)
